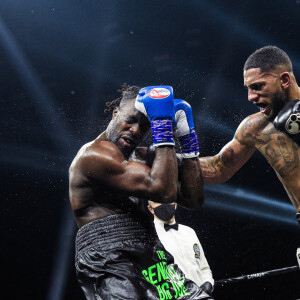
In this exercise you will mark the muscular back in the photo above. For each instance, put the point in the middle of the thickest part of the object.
(255, 132)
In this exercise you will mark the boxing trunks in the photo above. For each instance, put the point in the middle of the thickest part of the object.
(120, 257)
(298, 218)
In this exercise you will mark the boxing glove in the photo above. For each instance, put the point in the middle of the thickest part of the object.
(288, 120)
(157, 103)
(185, 129)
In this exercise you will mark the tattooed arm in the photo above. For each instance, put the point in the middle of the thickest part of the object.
(221, 167)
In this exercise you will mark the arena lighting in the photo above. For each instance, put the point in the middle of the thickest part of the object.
(247, 195)
(61, 135)
(34, 159)
(250, 212)
(247, 31)
(33, 85)
(64, 253)
(251, 204)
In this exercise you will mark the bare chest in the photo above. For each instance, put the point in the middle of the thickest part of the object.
(281, 152)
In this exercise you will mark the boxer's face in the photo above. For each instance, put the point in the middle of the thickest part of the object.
(265, 91)
(128, 127)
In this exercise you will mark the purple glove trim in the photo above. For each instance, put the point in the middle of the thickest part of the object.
(162, 132)
(189, 145)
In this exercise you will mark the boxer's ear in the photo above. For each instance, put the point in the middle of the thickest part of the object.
(115, 112)
(285, 80)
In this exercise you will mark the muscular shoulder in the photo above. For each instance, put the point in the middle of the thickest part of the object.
(254, 130)
(97, 156)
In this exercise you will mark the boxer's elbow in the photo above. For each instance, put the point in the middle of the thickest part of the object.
(163, 194)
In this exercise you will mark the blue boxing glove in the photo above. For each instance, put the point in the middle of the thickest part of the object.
(156, 103)
(185, 129)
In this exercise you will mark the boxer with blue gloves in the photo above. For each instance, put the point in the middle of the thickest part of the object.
(116, 249)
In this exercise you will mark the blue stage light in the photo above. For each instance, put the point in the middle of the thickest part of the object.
(247, 202)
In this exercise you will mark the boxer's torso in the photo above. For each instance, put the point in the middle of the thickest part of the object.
(280, 151)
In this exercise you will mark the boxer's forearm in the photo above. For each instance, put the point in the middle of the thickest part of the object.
(213, 170)
(191, 187)
(164, 175)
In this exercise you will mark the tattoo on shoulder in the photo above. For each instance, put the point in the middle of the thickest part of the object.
(255, 132)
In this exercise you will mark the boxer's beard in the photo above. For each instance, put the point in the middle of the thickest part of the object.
(278, 102)
(114, 136)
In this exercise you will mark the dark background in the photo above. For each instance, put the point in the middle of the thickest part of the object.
(61, 60)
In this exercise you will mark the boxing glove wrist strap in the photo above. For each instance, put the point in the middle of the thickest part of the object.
(189, 145)
(162, 133)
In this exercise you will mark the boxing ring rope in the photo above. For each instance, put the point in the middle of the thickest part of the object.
(261, 274)
(257, 275)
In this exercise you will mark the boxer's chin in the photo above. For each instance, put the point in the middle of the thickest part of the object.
(272, 115)
(277, 104)
(126, 151)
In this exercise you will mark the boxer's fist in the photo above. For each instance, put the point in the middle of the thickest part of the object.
(185, 129)
(156, 102)
(288, 120)
(183, 118)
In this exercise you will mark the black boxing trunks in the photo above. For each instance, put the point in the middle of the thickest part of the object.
(298, 218)
(120, 257)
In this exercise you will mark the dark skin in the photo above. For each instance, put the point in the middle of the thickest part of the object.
(191, 192)
(266, 90)
(101, 179)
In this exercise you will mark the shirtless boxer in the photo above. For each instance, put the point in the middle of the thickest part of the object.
(117, 253)
(274, 131)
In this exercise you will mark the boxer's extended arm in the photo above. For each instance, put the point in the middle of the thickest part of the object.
(221, 167)
(106, 164)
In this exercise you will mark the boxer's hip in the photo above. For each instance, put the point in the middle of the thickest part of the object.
(111, 253)
(120, 257)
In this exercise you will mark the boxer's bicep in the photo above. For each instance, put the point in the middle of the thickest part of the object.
(234, 155)
(130, 177)
(108, 167)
